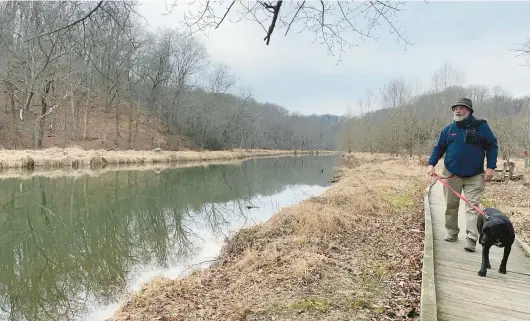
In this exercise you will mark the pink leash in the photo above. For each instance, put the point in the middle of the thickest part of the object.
(459, 195)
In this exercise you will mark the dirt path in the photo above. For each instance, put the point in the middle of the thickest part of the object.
(354, 253)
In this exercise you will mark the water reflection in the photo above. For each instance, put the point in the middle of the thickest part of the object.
(68, 241)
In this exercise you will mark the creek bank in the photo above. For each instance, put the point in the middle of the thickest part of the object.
(74, 158)
(354, 252)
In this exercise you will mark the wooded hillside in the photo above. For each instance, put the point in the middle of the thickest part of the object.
(103, 81)
(412, 117)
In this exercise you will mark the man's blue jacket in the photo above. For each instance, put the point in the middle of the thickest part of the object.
(465, 144)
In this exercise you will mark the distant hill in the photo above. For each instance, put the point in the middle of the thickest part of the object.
(112, 83)
(233, 123)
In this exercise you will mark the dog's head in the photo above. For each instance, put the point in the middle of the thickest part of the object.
(497, 228)
(488, 234)
(491, 234)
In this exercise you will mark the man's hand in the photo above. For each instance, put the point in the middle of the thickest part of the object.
(430, 170)
(488, 176)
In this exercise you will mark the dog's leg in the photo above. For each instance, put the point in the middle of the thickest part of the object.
(502, 268)
(488, 265)
(485, 259)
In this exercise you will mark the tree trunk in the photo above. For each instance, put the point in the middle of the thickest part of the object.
(131, 118)
(87, 107)
(136, 126)
(74, 114)
(42, 120)
(28, 101)
(11, 98)
(117, 119)
(107, 125)
(65, 136)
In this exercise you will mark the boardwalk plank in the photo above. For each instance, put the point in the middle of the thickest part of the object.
(477, 311)
(492, 285)
(516, 269)
(451, 317)
(483, 296)
(461, 293)
(514, 280)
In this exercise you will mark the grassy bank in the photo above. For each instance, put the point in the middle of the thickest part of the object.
(354, 252)
(54, 158)
(95, 172)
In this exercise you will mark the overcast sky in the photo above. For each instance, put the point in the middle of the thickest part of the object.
(476, 37)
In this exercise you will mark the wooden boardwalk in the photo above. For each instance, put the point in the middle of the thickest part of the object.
(463, 295)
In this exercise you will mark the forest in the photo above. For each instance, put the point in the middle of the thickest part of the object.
(106, 82)
(413, 114)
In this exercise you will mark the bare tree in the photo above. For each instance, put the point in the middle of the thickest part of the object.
(189, 59)
(523, 51)
(445, 78)
(330, 22)
(110, 49)
(40, 61)
(349, 126)
(366, 105)
(479, 94)
(395, 94)
(446, 85)
(524, 125)
(220, 81)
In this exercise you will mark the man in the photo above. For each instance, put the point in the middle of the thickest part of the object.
(465, 142)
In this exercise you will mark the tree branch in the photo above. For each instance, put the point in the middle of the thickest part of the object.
(296, 14)
(349, 22)
(276, 9)
(388, 6)
(205, 9)
(226, 13)
(71, 24)
(388, 21)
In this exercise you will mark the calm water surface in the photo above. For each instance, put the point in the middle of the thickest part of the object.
(70, 247)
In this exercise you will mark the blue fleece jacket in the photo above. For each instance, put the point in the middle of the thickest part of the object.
(464, 157)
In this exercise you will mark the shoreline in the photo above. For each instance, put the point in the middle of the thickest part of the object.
(19, 173)
(331, 256)
(26, 162)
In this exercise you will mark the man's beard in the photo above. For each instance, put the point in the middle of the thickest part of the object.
(459, 118)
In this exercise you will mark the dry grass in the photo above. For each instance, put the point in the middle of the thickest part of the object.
(53, 158)
(77, 172)
(353, 253)
(512, 199)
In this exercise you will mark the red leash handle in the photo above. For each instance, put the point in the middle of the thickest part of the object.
(458, 194)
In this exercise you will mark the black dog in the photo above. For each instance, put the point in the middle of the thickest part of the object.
(495, 229)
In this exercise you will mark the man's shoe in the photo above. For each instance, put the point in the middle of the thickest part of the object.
(451, 237)
(470, 246)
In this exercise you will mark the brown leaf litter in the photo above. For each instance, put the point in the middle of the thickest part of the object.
(353, 253)
(512, 198)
